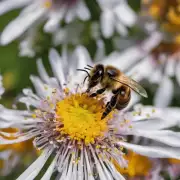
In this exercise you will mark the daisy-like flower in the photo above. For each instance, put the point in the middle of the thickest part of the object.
(174, 168)
(162, 63)
(35, 12)
(138, 166)
(158, 61)
(66, 124)
(15, 154)
(116, 15)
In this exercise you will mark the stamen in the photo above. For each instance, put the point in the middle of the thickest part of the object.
(81, 118)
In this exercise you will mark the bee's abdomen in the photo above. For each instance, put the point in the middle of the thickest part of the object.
(123, 101)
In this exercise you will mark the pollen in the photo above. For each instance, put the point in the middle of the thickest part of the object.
(81, 118)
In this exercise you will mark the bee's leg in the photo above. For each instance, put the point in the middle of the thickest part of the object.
(115, 91)
(107, 104)
(110, 105)
(99, 91)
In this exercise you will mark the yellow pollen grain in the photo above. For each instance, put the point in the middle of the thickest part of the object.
(81, 118)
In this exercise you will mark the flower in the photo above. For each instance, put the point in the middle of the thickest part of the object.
(12, 155)
(116, 12)
(66, 124)
(35, 12)
(164, 61)
(174, 168)
(156, 58)
(116, 15)
(137, 165)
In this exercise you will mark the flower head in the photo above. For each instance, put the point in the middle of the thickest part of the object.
(119, 14)
(12, 154)
(66, 124)
(35, 12)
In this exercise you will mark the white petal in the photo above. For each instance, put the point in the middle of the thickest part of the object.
(50, 170)
(30, 102)
(4, 141)
(177, 72)
(82, 11)
(125, 14)
(150, 118)
(35, 168)
(42, 71)
(100, 53)
(164, 93)
(52, 23)
(121, 29)
(1, 86)
(132, 55)
(20, 25)
(39, 86)
(82, 56)
(8, 5)
(107, 23)
(153, 151)
(170, 67)
(164, 136)
(57, 66)
(70, 15)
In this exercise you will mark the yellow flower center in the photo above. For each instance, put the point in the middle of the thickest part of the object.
(166, 12)
(137, 165)
(81, 118)
(174, 161)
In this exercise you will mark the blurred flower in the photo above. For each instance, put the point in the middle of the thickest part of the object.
(137, 165)
(157, 57)
(116, 15)
(35, 12)
(162, 63)
(174, 168)
(66, 123)
(158, 62)
(13, 155)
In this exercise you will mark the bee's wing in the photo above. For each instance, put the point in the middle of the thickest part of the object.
(132, 84)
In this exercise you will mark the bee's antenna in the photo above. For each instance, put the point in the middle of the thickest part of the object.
(89, 66)
(85, 79)
(84, 71)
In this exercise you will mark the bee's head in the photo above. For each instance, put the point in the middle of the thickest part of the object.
(96, 75)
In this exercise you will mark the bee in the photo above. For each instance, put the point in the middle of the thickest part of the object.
(112, 79)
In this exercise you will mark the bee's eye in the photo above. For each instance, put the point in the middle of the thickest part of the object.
(111, 73)
(97, 74)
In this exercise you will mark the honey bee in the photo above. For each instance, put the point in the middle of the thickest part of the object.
(112, 79)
